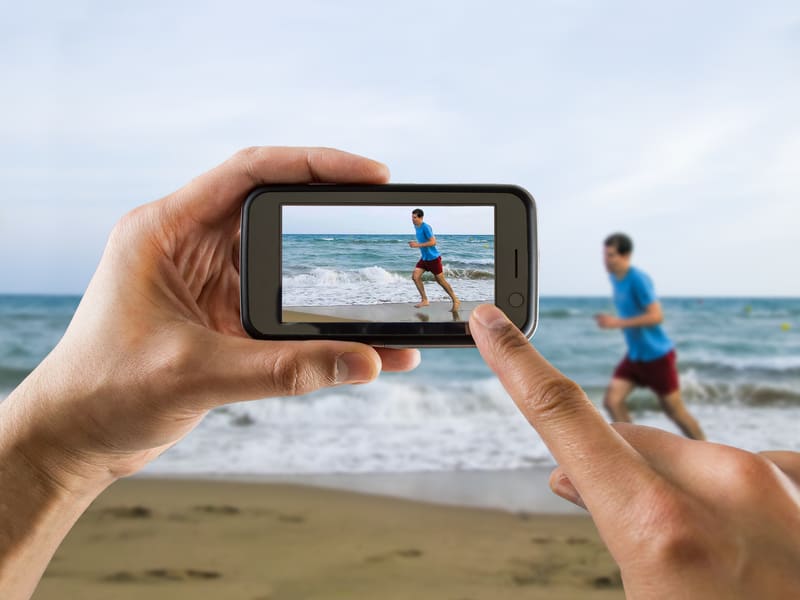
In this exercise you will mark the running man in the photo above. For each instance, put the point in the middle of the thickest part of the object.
(430, 260)
(651, 360)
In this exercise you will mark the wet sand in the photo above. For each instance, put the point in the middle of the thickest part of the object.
(172, 539)
(379, 313)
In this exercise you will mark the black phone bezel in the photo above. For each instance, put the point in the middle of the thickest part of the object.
(515, 224)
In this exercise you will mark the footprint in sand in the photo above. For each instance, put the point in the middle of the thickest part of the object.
(608, 581)
(218, 509)
(403, 553)
(540, 572)
(292, 518)
(572, 541)
(127, 512)
(541, 540)
(161, 574)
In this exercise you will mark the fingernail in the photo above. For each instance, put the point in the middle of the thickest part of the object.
(564, 488)
(354, 368)
(490, 316)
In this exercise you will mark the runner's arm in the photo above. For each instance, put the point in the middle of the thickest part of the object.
(653, 315)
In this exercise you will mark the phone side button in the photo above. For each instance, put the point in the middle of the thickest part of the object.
(516, 299)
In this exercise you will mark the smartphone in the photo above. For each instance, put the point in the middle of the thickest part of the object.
(399, 265)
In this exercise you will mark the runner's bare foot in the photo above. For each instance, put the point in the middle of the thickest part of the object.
(421, 304)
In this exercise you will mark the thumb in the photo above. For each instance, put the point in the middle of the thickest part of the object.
(239, 369)
(561, 486)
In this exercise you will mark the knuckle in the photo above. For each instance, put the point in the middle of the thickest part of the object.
(178, 358)
(247, 158)
(284, 375)
(751, 474)
(135, 225)
(510, 343)
(743, 466)
(248, 154)
(293, 376)
(670, 529)
(677, 544)
(552, 396)
(127, 224)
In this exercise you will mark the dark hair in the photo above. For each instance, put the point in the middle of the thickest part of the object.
(621, 242)
(418, 212)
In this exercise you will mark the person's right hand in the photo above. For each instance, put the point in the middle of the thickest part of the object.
(682, 518)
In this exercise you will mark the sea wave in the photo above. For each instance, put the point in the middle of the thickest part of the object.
(560, 313)
(752, 366)
(466, 262)
(403, 424)
(455, 273)
(320, 276)
(753, 394)
(747, 392)
(385, 401)
(329, 277)
(410, 402)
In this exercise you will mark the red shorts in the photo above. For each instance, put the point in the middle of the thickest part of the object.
(434, 266)
(660, 375)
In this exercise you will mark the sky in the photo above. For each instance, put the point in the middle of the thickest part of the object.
(462, 220)
(675, 122)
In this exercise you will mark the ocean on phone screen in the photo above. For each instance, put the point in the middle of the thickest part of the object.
(739, 361)
(335, 270)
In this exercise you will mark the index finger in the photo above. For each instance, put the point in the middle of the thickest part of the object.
(219, 193)
(602, 466)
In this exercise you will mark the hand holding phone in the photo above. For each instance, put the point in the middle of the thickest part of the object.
(335, 262)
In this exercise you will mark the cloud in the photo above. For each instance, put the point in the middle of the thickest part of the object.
(676, 122)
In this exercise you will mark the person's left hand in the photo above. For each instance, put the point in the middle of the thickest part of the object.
(413, 244)
(157, 339)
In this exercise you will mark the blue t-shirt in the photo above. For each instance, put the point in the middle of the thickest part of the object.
(424, 234)
(632, 295)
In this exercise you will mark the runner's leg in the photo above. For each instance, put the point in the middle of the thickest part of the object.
(448, 288)
(417, 277)
(616, 394)
(676, 410)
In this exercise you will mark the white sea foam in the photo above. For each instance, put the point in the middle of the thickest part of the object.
(407, 425)
(375, 285)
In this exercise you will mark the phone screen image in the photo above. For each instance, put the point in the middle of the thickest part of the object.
(385, 263)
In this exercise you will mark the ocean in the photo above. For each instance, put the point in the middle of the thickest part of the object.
(330, 270)
(739, 361)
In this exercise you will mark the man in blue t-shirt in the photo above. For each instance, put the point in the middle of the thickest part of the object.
(430, 260)
(651, 360)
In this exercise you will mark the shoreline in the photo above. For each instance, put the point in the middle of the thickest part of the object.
(388, 312)
(510, 490)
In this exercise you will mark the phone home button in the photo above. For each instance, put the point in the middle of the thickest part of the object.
(516, 299)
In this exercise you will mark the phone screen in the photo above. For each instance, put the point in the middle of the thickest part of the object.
(386, 263)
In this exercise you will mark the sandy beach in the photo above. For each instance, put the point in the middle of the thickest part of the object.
(168, 539)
